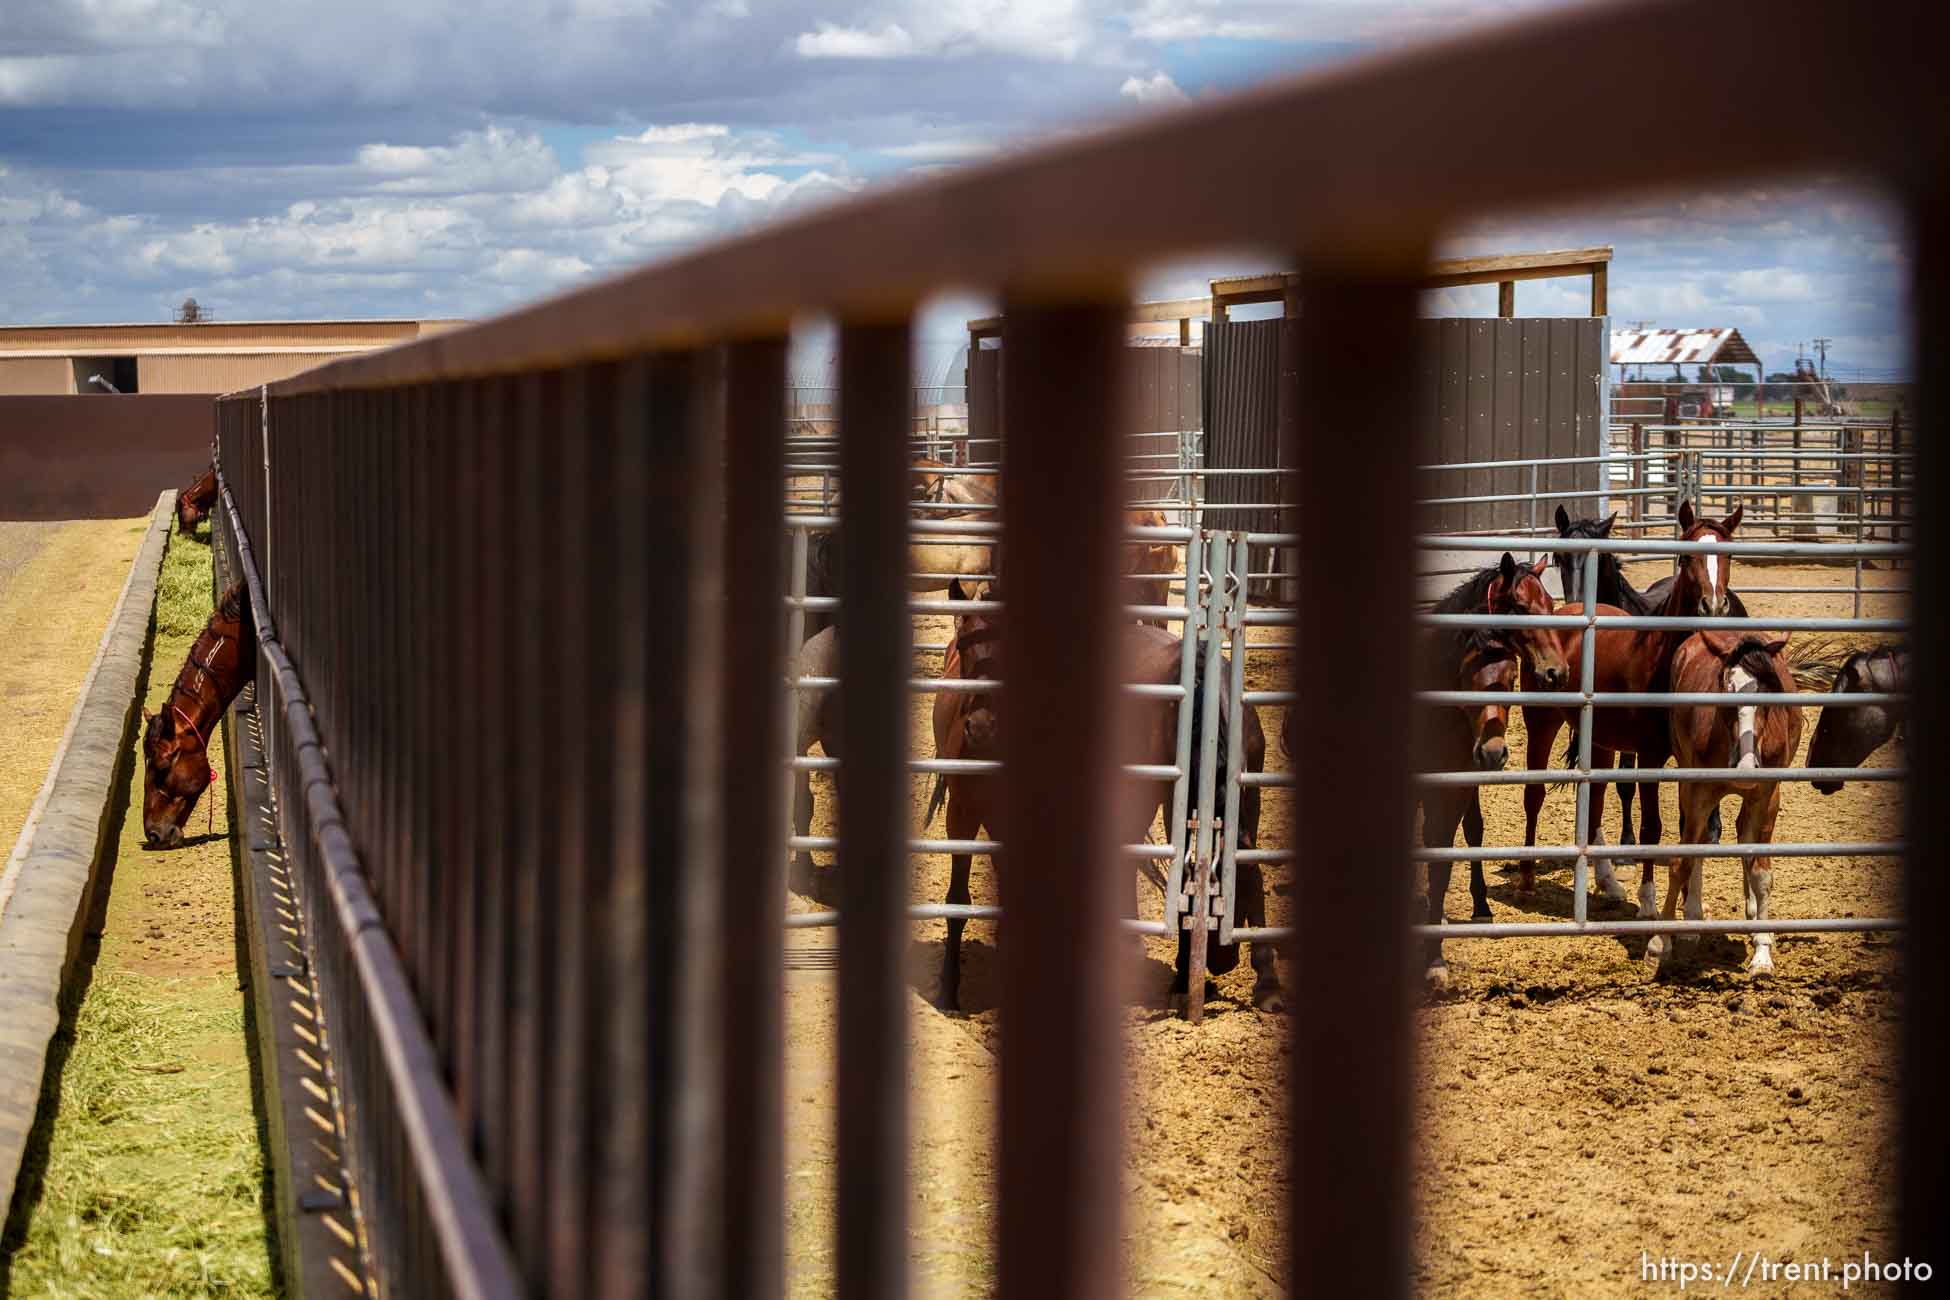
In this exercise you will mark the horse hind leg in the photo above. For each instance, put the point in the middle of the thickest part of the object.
(1251, 883)
(960, 826)
(803, 866)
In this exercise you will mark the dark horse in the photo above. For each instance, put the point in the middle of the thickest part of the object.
(1630, 660)
(176, 740)
(1472, 735)
(193, 502)
(1847, 734)
(968, 725)
(1615, 589)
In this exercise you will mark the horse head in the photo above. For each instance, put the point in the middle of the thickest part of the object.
(1519, 589)
(1701, 584)
(1570, 564)
(1488, 664)
(1847, 734)
(175, 772)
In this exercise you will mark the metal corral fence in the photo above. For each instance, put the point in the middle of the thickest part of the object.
(539, 786)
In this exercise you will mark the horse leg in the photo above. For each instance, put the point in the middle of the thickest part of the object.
(1472, 829)
(1442, 808)
(1251, 882)
(1607, 878)
(801, 881)
(1537, 756)
(1626, 790)
(961, 825)
(1756, 826)
(1651, 829)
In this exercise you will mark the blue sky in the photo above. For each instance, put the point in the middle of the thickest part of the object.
(457, 157)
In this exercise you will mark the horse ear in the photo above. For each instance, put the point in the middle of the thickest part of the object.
(1563, 523)
(1778, 645)
(1721, 643)
(954, 590)
(1506, 568)
(1686, 517)
(1732, 521)
(1604, 529)
(1543, 563)
(148, 716)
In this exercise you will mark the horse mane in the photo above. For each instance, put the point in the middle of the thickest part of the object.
(1469, 597)
(1752, 654)
(1610, 571)
(233, 605)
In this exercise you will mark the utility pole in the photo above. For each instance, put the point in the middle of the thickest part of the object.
(1821, 347)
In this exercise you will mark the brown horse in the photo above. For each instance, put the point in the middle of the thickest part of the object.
(818, 720)
(950, 494)
(1471, 735)
(1734, 738)
(967, 725)
(1628, 660)
(1145, 558)
(176, 741)
(193, 502)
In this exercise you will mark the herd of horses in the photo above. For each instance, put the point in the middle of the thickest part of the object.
(967, 721)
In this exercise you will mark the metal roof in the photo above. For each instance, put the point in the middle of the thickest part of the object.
(1688, 347)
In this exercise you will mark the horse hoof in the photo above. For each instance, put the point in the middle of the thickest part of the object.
(1437, 978)
(1270, 1000)
(1615, 892)
(949, 1002)
(1763, 962)
(1481, 914)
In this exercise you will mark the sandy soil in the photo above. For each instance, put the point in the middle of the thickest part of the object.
(1573, 1110)
(58, 583)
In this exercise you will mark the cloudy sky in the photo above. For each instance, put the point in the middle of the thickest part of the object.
(455, 157)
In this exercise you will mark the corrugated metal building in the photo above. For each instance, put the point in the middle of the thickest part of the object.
(208, 357)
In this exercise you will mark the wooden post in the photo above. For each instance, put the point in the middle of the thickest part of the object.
(1599, 295)
(1506, 298)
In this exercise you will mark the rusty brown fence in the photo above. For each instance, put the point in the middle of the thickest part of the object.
(524, 740)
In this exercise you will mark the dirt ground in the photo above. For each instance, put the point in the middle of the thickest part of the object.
(1573, 1111)
(58, 583)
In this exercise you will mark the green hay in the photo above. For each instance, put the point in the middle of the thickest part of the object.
(151, 1175)
(152, 1184)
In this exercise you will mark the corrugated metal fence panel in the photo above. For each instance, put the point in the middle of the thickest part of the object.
(1241, 419)
(1492, 390)
(984, 398)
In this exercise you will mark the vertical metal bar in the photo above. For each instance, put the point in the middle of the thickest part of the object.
(1349, 1213)
(578, 879)
(1925, 1128)
(1061, 876)
(753, 876)
(1236, 732)
(1533, 507)
(876, 655)
(1188, 644)
(1587, 683)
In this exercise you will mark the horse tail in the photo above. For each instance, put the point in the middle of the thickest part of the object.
(1570, 759)
(935, 800)
(1816, 661)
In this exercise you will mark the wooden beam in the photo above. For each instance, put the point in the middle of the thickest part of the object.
(1434, 281)
(1600, 293)
(1561, 261)
(1506, 298)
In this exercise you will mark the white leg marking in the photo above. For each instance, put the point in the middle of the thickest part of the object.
(1694, 910)
(1648, 897)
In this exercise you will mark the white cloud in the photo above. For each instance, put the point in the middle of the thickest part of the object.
(1038, 29)
(1158, 88)
(831, 42)
(942, 151)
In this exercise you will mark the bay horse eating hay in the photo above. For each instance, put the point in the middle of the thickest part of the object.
(1735, 738)
(968, 725)
(176, 740)
(193, 502)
